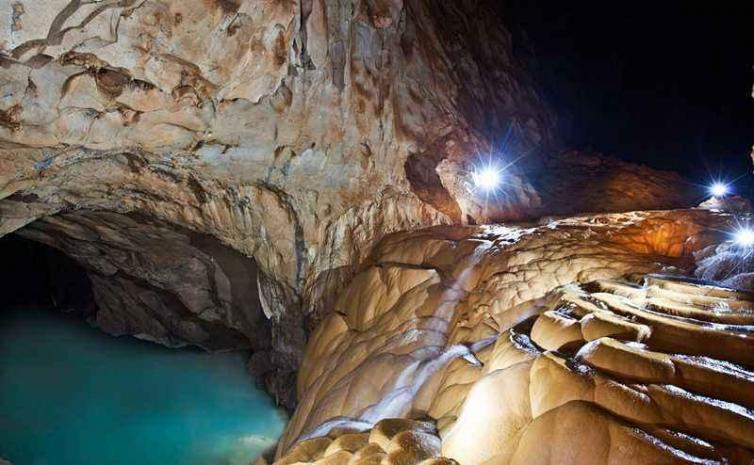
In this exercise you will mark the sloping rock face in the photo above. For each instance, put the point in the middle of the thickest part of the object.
(295, 132)
(392, 440)
(549, 344)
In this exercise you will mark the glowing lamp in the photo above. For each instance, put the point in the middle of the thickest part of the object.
(744, 237)
(486, 178)
(719, 189)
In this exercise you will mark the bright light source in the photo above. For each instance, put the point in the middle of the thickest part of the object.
(719, 189)
(744, 237)
(487, 178)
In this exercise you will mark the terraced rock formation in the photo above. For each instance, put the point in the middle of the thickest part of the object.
(550, 344)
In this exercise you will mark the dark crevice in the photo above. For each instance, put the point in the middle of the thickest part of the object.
(34, 274)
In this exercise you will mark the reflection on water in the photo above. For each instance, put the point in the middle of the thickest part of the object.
(71, 395)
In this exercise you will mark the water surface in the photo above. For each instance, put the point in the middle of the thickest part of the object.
(71, 395)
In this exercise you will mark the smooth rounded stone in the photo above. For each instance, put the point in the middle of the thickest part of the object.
(614, 395)
(306, 451)
(403, 457)
(702, 376)
(347, 442)
(493, 413)
(377, 290)
(341, 457)
(417, 443)
(552, 331)
(349, 448)
(369, 454)
(385, 430)
(708, 418)
(371, 459)
(598, 325)
(694, 445)
(579, 432)
(553, 384)
(613, 357)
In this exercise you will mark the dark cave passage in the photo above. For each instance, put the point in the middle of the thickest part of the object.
(38, 275)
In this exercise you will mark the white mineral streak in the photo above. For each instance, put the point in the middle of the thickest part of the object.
(579, 364)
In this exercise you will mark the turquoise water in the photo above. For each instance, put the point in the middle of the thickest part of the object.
(71, 395)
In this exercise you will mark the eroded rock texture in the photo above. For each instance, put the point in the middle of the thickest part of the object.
(553, 344)
(295, 132)
(392, 441)
(283, 128)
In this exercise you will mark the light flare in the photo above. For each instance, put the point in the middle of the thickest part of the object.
(744, 237)
(487, 178)
(719, 189)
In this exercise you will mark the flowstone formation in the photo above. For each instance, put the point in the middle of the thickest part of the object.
(580, 340)
(297, 133)
(236, 173)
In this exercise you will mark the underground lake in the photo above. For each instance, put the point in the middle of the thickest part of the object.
(72, 395)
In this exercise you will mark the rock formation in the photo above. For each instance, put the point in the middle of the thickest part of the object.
(297, 133)
(224, 170)
(573, 351)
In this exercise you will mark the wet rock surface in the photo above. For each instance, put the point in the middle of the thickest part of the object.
(176, 292)
(553, 343)
(391, 441)
(615, 372)
(258, 174)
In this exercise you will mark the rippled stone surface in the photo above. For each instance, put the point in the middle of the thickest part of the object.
(299, 134)
(616, 372)
(550, 344)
